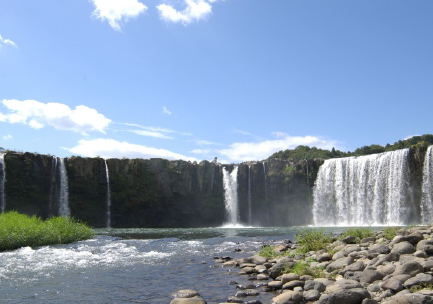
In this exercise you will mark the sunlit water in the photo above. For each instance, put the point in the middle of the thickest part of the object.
(133, 266)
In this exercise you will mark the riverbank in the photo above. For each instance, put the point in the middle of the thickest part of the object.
(388, 266)
(19, 230)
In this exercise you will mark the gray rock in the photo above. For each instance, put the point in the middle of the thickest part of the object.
(413, 238)
(425, 245)
(351, 248)
(311, 295)
(391, 257)
(392, 284)
(386, 269)
(403, 248)
(370, 239)
(357, 266)
(349, 239)
(185, 293)
(288, 297)
(340, 263)
(346, 296)
(325, 281)
(195, 300)
(420, 254)
(412, 298)
(276, 270)
(379, 249)
(353, 275)
(235, 300)
(311, 284)
(418, 279)
(293, 284)
(324, 257)
(289, 277)
(369, 301)
(343, 284)
(410, 268)
(371, 275)
(262, 277)
(338, 255)
(275, 285)
(428, 264)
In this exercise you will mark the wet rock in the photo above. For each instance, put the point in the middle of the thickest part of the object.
(275, 285)
(185, 293)
(293, 284)
(195, 300)
(262, 277)
(289, 277)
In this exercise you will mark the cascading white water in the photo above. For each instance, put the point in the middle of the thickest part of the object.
(230, 181)
(64, 190)
(108, 203)
(249, 195)
(427, 188)
(2, 182)
(365, 190)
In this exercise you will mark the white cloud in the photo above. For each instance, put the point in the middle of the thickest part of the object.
(117, 11)
(200, 151)
(110, 148)
(150, 134)
(37, 114)
(8, 137)
(165, 111)
(247, 151)
(195, 10)
(206, 143)
(410, 136)
(6, 42)
(241, 132)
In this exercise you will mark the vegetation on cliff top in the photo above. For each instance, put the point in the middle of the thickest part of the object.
(305, 152)
(19, 230)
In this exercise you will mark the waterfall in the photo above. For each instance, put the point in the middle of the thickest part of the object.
(108, 204)
(2, 182)
(230, 181)
(64, 192)
(249, 195)
(365, 190)
(427, 188)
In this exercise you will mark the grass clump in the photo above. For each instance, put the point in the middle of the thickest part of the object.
(312, 240)
(390, 232)
(303, 268)
(358, 233)
(19, 230)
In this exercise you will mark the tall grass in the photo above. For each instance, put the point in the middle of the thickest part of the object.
(19, 230)
(312, 240)
(358, 233)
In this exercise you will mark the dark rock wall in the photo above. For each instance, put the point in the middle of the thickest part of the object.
(162, 193)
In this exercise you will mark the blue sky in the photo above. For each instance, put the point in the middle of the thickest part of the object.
(198, 79)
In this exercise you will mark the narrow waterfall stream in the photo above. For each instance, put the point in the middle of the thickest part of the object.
(230, 181)
(64, 190)
(249, 195)
(427, 188)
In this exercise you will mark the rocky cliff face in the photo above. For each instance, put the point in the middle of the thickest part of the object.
(160, 193)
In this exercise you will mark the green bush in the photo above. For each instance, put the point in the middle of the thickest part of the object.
(390, 232)
(19, 230)
(358, 233)
(303, 268)
(312, 240)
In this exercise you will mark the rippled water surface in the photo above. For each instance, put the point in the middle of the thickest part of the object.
(131, 266)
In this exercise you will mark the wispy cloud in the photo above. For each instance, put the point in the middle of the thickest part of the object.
(5, 42)
(165, 111)
(200, 151)
(117, 11)
(110, 148)
(37, 114)
(247, 151)
(206, 143)
(8, 137)
(153, 131)
(241, 132)
(194, 10)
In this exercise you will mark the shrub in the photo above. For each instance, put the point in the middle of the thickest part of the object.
(358, 233)
(312, 240)
(390, 232)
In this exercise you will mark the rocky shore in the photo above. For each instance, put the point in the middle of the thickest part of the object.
(347, 271)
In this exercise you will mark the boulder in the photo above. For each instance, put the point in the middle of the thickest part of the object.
(311, 295)
(195, 300)
(288, 297)
(403, 248)
(392, 284)
(425, 245)
(185, 293)
(311, 284)
(411, 298)
(289, 277)
(409, 268)
(370, 275)
(418, 279)
(340, 263)
(346, 296)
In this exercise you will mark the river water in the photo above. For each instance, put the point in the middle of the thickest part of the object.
(133, 266)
